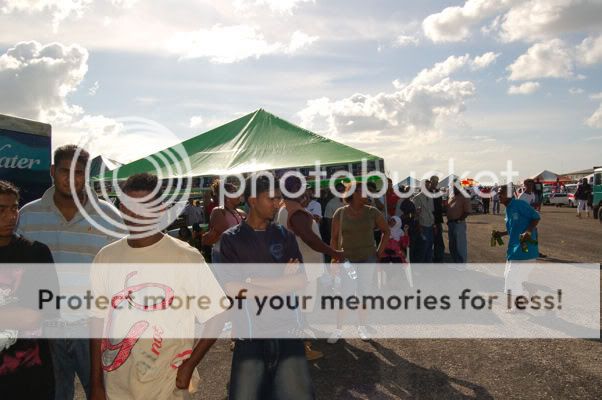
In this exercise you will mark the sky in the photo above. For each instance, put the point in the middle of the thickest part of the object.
(415, 82)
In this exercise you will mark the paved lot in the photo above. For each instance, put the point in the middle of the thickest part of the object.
(459, 369)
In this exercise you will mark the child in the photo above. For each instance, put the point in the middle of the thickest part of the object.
(395, 251)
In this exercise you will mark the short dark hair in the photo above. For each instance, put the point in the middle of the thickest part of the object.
(8, 188)
(143, 182)
(257, 184)
(68, 151)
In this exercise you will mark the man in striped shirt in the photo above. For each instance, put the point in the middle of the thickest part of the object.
(73, 236)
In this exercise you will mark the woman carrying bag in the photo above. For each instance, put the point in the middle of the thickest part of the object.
(353, 231)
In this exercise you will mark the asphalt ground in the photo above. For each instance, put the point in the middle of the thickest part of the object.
(458, 368)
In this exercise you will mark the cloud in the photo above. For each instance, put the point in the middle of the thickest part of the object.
(196, 121)
(485, 60)
(525, 88)
(59, 10)
(576, 91)
(279, 6)
(589, 52)
(94, 88)
(454, 24)
(414, 111)
(550, 59)
(595, 121)
(405, 40)
(542, 19)
(596, 96)
(230, 44)
(40, 77)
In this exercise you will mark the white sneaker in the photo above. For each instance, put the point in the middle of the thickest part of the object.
(336, 335)
(363, 333)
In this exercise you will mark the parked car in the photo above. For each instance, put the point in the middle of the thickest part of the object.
(597, 187)
(560, 199)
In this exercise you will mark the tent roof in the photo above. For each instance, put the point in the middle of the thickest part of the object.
(546, 175)
(447, 180)
(99, 162)
(409, 181)
(255, 142)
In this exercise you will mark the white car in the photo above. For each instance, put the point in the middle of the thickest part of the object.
(560, 199)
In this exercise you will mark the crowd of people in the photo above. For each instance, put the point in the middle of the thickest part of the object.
(296, 234)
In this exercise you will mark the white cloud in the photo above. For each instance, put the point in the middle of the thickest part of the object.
(94, 88)
(414, 111)
(589, 52)
(525, 88)
(196, 121)
(541, 19)
(550, 59)
(406, 40)
(595, 121)
(279, 6)
(229, 44)
(485, 60)
(299, 40)
(59, 10)
(596, 96)
(39, 79)
(576, 91)
(454, 24)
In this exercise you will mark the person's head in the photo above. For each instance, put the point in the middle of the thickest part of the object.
(62, 164)
(136, 188)
(263, 196)
(294, 188)
(389, 184)
(529, 185)
(506, 194)
(229, 200)
(9, 208)
(356, 197)
(434, 182)
(584, 181)
(427, 184)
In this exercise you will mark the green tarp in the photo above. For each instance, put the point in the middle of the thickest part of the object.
(258, 141)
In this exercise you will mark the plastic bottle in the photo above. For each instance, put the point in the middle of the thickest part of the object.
(350, 269)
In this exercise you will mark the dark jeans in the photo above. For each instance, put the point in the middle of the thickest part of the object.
(439, 245)
(70, 357)
(270, 369)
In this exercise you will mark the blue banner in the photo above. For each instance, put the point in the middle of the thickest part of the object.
(25, 162)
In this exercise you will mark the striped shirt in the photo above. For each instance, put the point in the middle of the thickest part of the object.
(74, 241)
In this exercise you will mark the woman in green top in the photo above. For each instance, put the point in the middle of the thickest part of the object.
(353, 231)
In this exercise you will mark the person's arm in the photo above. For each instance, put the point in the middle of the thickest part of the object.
(386, 232)
(217, 226)
(301, 225)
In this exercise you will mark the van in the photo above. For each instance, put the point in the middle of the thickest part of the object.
(597, 188)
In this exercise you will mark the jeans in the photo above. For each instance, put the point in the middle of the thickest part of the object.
(270, 369)
(496, 206)
(427, 244)
(70, 357)
(458, 247)
(439, 245)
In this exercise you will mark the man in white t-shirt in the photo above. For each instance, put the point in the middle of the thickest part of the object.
(156, 358)
(314, 207)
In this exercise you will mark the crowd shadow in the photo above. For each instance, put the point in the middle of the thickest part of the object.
(383, 374)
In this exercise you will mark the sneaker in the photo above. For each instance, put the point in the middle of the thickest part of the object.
(311, 354)
(363, 333)
(336, 335)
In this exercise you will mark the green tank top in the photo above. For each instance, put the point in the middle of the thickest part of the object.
(358, 233)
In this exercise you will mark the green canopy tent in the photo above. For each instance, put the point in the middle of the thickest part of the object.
(255, 142)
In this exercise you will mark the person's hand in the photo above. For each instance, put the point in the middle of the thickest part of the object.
(291, 267)
(184, 375)
(525, 236)
(339, 256)
(381, 253)
(97, 393)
